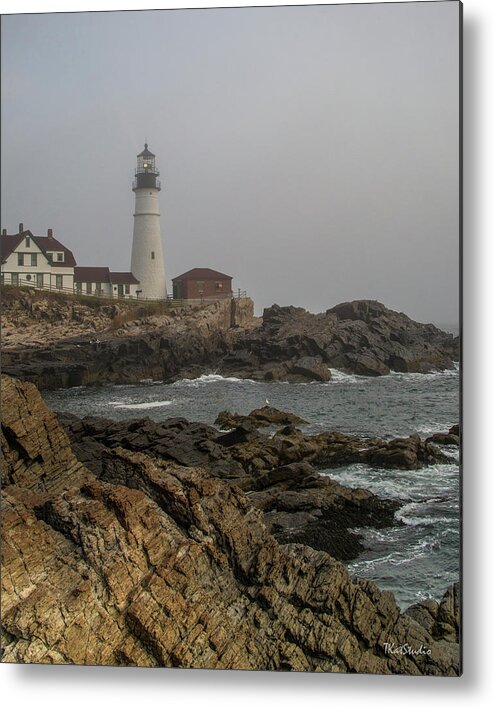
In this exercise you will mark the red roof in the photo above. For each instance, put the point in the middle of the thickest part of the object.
(9, 242)
(123, 279)
(90, 274)
(97, 274)
(202, 274)
(48, 243)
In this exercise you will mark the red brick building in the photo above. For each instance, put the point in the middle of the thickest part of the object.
(202, 285)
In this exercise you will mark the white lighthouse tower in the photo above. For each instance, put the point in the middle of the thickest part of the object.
(147, 252)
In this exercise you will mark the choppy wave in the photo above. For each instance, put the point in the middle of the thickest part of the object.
(210, 378)
(140, 406)
(414, 376)
(410, 485)
(421, 549)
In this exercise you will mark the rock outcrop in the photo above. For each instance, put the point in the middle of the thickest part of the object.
(440, 619)
(86, 345)
(278, 472)
(264, 417)
(151, 564)
(181, 342)
(362, 337)
(452, 437)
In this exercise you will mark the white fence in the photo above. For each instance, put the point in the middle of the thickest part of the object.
(100, 295)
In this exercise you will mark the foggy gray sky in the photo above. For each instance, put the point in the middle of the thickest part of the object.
(309, 152)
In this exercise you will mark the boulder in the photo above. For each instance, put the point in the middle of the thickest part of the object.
(267, 416)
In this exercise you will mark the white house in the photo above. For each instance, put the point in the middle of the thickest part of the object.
(93, 280)
(36, 261)
(90, 280)
(125, 285)
(45, 263)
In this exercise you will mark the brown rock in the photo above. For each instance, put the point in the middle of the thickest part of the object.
(152, 564)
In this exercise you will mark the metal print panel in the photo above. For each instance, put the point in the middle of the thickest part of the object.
(230, 338)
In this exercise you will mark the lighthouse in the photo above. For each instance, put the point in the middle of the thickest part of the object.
(147, 252)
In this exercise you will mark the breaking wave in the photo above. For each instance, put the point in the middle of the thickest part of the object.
(340, 377)
(210, 378)
(140, 406)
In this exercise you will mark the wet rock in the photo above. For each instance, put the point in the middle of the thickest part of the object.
(408, 453)
(267, 416)
(240, 434)
(452, 437)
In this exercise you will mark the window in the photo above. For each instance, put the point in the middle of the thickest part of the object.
(15, 278)
(78, 288)
(89, 288)
(20, 259)
(152, 255)
(34, 259)
(127, 289)
(28, 241)
(58, 282)
(219, 286)
(60, 257)
(39, 280)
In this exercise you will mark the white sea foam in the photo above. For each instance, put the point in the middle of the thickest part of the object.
(434, 426)
(424, 520)
(140, 406)
(210, 378)
(417, 376)
(340, 377)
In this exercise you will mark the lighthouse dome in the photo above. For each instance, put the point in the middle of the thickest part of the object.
(146, 152)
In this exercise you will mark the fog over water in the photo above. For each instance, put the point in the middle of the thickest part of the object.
(309, 152)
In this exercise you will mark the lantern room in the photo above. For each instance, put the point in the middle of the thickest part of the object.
(146, 171)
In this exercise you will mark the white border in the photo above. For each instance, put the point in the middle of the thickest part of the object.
(82, 686)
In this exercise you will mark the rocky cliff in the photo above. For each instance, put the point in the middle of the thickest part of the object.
(174, 342)
(146, 562)
(61, 344)
(361, 337)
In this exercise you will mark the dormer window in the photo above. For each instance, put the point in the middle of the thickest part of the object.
(60, 257)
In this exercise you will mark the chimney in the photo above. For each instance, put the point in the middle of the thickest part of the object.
(4, 232)
(50, 233)
(21, 228)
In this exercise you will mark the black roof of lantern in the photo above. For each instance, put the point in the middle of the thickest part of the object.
(146, 152)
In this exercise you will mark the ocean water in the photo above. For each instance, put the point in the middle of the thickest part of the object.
(418, 558)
